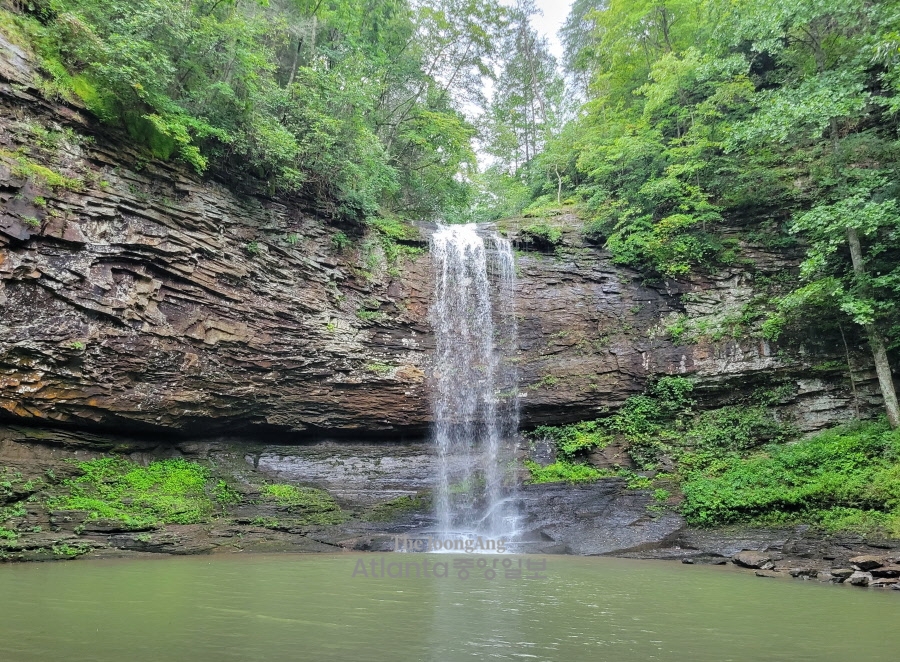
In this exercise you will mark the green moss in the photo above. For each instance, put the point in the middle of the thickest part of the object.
(543, 235)
(23, 166)
(311, 505)
(369, 315)
(70, 551)
(164, 492)
(390, 510)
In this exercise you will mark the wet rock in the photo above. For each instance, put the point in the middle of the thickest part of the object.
(599, 518)
(765, 573)
(842, 573)
(884, 582)
(867, 562)
(751, 559)
(891, 570)
(860, 578)
(803, 572)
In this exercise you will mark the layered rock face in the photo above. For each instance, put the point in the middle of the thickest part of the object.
(135, 296)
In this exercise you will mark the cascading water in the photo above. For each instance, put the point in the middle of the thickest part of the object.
(476, 395)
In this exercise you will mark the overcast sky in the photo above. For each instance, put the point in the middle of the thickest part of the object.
(555, 13)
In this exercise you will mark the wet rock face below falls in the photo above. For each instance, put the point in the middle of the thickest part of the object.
(140, 298)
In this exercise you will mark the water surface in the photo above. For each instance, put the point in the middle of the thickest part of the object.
(300, 607)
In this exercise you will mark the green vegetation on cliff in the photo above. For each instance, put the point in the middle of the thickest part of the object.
(164, 492)
(840, 479)
(356, 103)
(739, 464)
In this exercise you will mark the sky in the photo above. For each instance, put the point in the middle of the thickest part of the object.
(555, 13)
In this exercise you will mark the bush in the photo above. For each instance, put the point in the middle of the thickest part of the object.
(572, 440)
(563, 472)
(847, 477)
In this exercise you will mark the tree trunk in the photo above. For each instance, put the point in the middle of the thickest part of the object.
(876, 342)
(559, 185)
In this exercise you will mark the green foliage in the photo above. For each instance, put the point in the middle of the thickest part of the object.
(311, 505)
(542, 234)
(166, 491)
(70, 551)
(225, 495)
(369, 315)
(8, 534)
(643, 415)
(23, 166)
(563, 471)
(340, 241)
(573, 440)
(843, 478)
(354, 103)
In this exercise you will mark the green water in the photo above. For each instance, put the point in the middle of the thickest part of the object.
(286, 607)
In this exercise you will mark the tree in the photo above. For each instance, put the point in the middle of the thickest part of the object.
(824, 106)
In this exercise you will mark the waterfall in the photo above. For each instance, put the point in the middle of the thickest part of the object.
(475, 383)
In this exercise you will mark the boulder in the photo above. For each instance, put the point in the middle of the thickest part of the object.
(841, 573)
(751, 559)
(860, 578)
(886, 571)
(867, 562)
(884, 582)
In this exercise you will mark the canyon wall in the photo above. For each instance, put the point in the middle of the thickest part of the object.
(137, 297)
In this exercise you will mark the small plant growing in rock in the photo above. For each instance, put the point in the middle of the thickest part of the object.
(40, 201)
(380, 369)
(31, 221)
(253, 248)
(292, 239)
(78, 346)
(340, 241)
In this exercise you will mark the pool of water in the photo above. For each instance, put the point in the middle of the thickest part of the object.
(312, 607)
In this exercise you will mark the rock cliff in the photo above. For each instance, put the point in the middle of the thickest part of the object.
(138, 297)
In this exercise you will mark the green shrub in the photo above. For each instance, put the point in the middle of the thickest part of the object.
(562, 471)
(340, 241)
(571, 440)
(841, 478)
